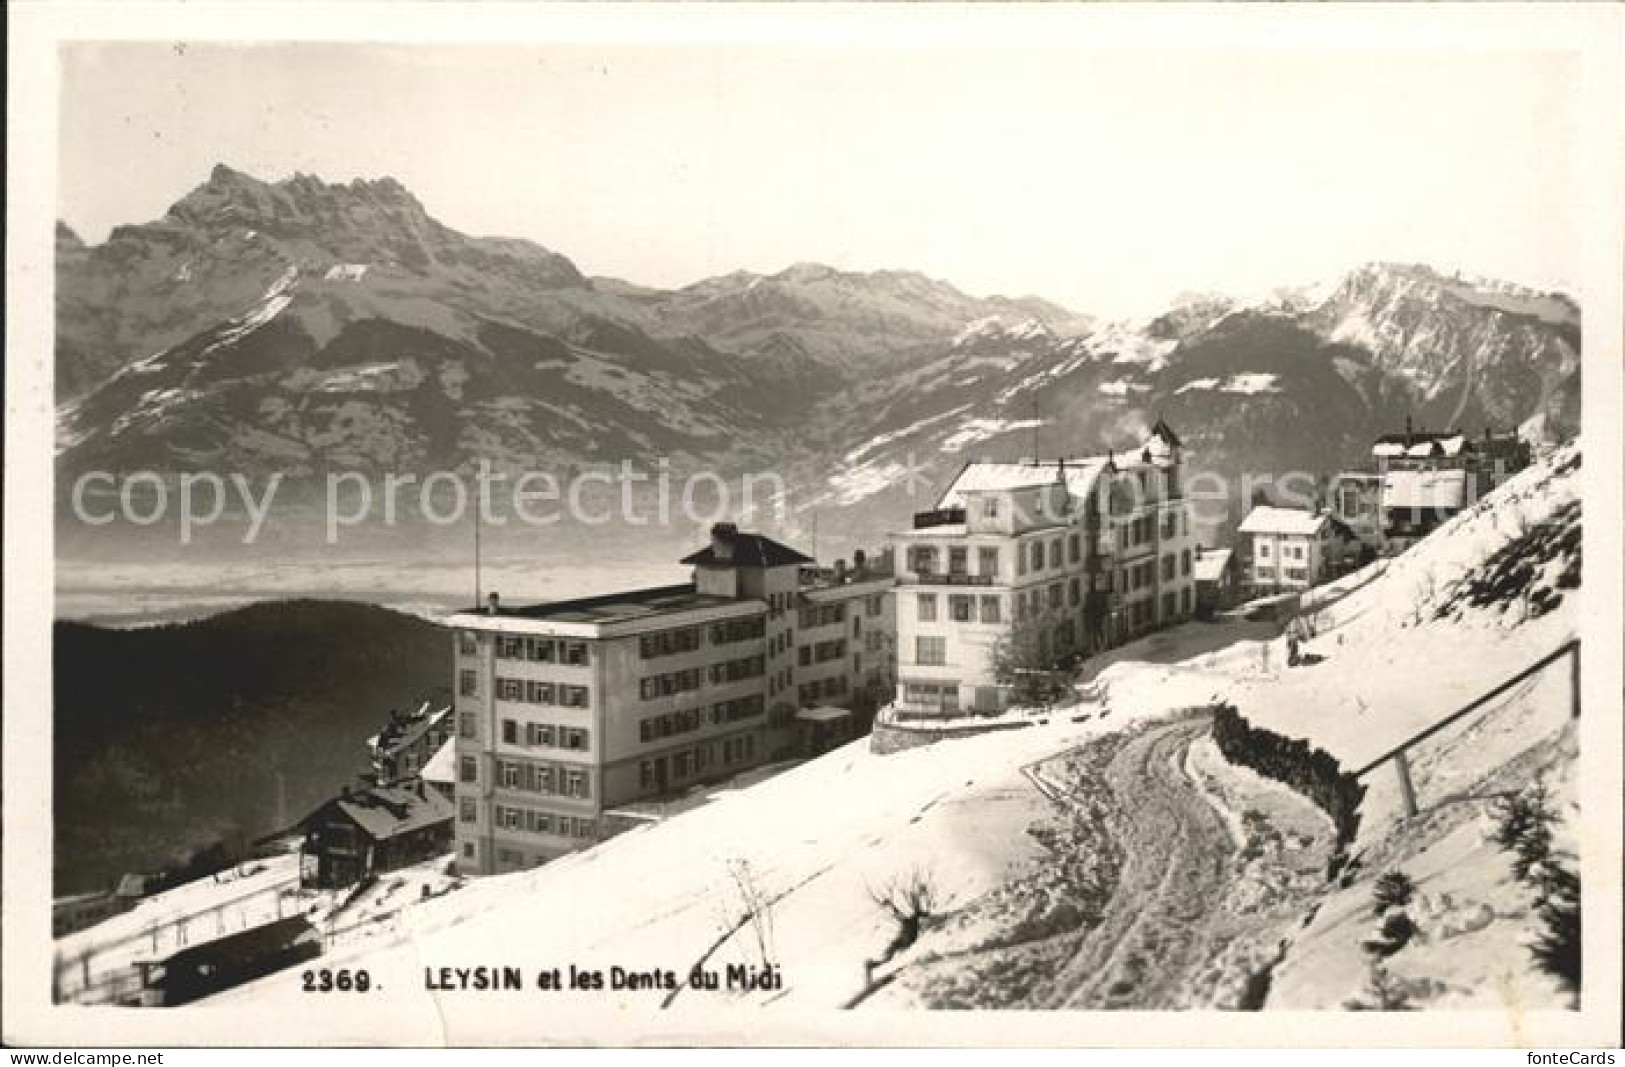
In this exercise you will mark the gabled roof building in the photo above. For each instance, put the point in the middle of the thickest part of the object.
(1071, 556)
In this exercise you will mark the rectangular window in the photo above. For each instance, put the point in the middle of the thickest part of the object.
(1038, 556)
(466, 810)
(467, 643)
(990, 609)
(957, 563)
(510, 732)
(931, 651)
(510, 689)
(466, 725)
(468, 683)
(990, 507)
(1055, 596)
(1074, 592)
(575, 653)
(467, 769)
(1185, 562)
(928, 607)
(509, 773)
(541, 650)
(987, 562)
(959, 607)
(1074, 549)
(1055, 552)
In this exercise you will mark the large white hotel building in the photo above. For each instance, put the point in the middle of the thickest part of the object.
(570, 710)
(1083, 554)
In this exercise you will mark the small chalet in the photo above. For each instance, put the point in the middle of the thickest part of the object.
(402, 748)
(362, 833)
(1218, 580)
(821, 729)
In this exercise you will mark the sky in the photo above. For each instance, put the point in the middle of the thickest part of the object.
(1109, 180)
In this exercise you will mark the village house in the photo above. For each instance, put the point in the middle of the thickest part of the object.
(401, 748)
(1073, 555)
(365, 832)
(1290, 549)
(567, 711)
(1429, 477)
(1218, 580)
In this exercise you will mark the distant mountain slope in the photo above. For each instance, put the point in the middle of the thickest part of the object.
(301, 326)
(168, 737)
(1299, 382)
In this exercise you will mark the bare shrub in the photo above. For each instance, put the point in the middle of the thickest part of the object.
(754, 909)
(912, 902)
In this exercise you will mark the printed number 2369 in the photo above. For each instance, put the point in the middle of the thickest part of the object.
(343, 980)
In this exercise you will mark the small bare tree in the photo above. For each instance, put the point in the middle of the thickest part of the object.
(755, 909)
(1023, 663)
(912, 901)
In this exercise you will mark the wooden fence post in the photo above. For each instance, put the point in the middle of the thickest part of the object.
(1407, 791)
(1574, 680)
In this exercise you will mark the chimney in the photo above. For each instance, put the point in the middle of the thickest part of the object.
(860, 561)
(722, 540)
(493, 604)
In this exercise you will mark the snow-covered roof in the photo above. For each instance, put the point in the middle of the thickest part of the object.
(823, 714)
(985, 476)
(442, 766)
(1291, 521)
(1419, 445)
(1428, 490)
(388, 810)
(1209, 567)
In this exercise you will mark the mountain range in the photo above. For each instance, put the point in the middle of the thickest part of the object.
(302, 327)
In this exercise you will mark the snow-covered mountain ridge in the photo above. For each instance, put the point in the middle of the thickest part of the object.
(399, 343)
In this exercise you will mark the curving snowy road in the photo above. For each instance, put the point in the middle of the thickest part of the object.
(1182, 876)
(1177, 860)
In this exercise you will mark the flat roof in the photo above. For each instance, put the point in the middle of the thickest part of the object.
(584, 615)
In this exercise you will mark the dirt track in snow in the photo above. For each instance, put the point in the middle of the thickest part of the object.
(1177, 862)
(1175, 880)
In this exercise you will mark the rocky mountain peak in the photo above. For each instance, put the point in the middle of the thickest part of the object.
(66, 239)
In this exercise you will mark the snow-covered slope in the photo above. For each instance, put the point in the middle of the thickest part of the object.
(1398, 647)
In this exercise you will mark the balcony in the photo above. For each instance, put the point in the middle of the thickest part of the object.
(925, 520)
(938, 578)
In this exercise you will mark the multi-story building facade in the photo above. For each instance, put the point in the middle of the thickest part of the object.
(1426, 477)
(1076, 555)
(1290, 549)
(566, 711)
